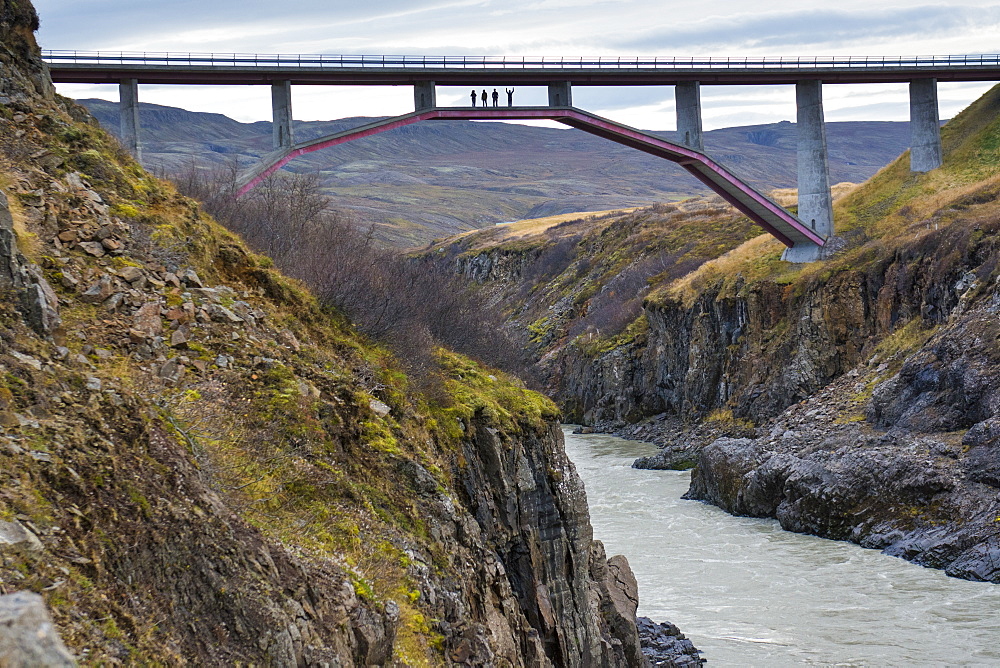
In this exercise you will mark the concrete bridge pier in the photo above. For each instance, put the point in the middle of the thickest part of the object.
(687, 98)
(815, 202)
(925, 126)
(560, 94)
(128, 108)
(424, 95)
(281, 114)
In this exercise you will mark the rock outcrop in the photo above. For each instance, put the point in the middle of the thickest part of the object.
(664, 646)
(38, 301)
(918, 480)
(530, 505)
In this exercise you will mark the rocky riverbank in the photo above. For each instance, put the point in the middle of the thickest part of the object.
(901, 456)
(665, 646)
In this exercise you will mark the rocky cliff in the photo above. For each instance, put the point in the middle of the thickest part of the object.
(199, 465)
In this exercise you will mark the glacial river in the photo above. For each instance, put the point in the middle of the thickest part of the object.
(749, 594)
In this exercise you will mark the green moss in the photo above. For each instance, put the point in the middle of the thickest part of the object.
(476, 390)
(541, 328)
(125, 210)
(110, 628)
(903, 341)
(136, 497)
(724, 420)
(71, 134)
(122, 261)
(377, 434)
(363, 589)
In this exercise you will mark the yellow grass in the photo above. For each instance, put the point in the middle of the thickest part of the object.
(762, 250)
(790, 196)
(532, 226)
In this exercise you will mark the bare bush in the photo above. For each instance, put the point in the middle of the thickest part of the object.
(410, 305)
(619, 302)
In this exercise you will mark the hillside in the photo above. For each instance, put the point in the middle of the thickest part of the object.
(202, 465)
(856, 398)
(435, 179)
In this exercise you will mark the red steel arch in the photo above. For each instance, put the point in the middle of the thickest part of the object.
(759, 208)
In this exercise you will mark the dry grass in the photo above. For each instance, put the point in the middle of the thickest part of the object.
(751, 258)
(895, 206)
(534, 226)
(790, 196)
(754, 259)
(27, 242)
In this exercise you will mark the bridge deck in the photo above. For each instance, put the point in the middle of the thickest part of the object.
(172, 68)
(759, 208)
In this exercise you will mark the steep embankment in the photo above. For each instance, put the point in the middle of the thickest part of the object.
(900, 452)
(429, 180)
(199, 465)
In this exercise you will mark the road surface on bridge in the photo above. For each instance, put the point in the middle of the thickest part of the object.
(249, 69)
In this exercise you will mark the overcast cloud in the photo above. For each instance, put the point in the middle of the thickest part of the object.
(532, 28)
(817, 29)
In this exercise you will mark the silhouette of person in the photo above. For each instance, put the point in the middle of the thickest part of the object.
(510, 96)
(485, 99)
(473, 97)
(496, 97)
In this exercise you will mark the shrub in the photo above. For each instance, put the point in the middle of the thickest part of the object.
(411, 305)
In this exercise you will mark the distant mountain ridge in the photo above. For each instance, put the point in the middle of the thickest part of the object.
(430, 180)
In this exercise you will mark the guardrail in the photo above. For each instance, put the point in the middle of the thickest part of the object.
(323, 61)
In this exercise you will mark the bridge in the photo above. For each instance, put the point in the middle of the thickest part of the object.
(780, 223)
(560, 75)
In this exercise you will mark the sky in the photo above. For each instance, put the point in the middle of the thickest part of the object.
(551, 28)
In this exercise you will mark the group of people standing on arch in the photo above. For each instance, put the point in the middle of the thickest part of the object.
(496, 97)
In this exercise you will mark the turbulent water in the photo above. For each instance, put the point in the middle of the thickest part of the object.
(749, 594)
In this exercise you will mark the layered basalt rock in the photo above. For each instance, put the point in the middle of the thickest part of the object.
(918, 479)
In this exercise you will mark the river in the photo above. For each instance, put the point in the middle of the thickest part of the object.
(748, 593)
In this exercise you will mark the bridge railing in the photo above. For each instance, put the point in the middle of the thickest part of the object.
(327, 61)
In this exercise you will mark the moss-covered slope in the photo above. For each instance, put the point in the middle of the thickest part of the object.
(201, 465)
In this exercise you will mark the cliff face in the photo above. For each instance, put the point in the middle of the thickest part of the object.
(200, 465)
(767, 346)
(920, 479)
(531, 507)
(25, 75)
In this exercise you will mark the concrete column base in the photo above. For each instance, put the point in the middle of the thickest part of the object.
(560, 94)
(281, 114)
(687, 97)
(128, 107)
(804, 252)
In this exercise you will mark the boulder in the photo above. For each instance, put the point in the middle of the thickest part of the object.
(98, 291)
(147, 319)
(37, 300)
(14, 534)
(663, 644)
(27, 635)
(191, 279)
